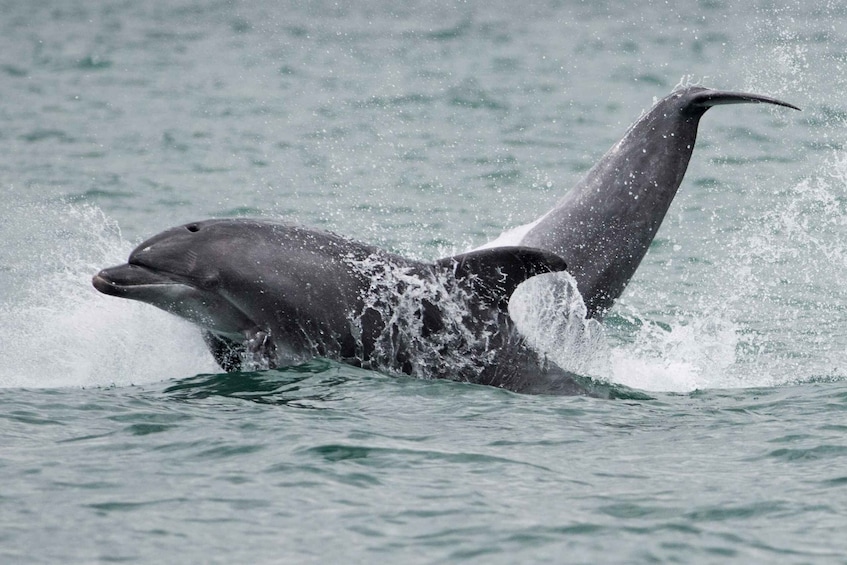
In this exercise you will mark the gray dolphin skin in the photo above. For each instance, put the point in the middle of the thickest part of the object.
(281, 294)
(268, 294)
(605, 224)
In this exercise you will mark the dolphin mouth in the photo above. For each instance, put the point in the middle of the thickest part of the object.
(175, 295)
(124, 279)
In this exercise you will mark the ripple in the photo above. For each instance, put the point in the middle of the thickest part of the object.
(39, 135)
(147, 429)
(93, 63)
(31, 418)
(810, 454)
(836, 482)
(13, 71)
(407, 457)
(449, 33)
(725, 513)
(227, 451)
(470, 94)
(125, 506)
(311, 385)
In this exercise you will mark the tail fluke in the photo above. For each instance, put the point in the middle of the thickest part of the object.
(707, 98)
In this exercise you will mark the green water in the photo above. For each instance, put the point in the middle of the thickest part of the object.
(427, 128)
(331, 464)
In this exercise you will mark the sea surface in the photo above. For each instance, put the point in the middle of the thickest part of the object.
(427, 128)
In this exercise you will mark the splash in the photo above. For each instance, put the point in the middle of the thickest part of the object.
(769, 312)
(57, 330)
(426, 326)
(511, 236)
(793, 261)
(624, 349)
(697, 351)
(548, 310)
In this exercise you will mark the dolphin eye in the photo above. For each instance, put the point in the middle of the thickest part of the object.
(193, 228)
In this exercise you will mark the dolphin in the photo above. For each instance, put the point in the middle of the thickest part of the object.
(268, 294)
(604, 225)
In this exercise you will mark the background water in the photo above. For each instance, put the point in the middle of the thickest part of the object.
(426, 128)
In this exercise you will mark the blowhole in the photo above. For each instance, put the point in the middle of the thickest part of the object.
(193, 228)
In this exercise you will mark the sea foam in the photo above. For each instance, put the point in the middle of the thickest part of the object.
(57, 330)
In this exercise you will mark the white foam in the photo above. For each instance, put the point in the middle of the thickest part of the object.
(689, 355)
(58, 331)
(769, 312)
(512, 236)
(686, 356)
(548, 310)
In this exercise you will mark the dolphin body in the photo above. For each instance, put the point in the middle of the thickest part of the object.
(276, 294)
(268, 293)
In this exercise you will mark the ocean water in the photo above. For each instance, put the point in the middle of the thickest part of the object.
(427, 128)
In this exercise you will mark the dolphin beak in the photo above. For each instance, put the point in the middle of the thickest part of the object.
(122, 279)
(102, 283)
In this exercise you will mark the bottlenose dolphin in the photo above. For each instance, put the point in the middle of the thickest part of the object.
(603, 226)
(268, 293)
(276, 294)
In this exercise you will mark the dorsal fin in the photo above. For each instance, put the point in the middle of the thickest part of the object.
(496, 273)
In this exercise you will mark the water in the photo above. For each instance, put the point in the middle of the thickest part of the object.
(428, 129)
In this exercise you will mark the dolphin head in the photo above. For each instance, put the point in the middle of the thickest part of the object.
(236, 277)
(182, 271)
